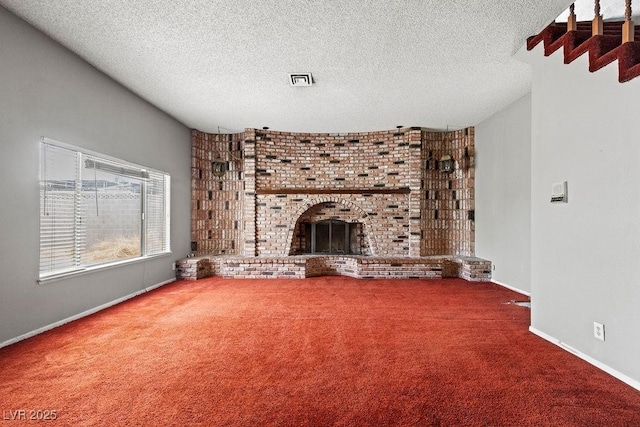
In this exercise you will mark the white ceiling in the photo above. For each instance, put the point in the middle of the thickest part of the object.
(222, 65)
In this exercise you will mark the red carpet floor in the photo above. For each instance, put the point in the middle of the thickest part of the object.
(317, 352)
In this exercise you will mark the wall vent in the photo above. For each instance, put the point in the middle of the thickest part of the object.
(300, 79)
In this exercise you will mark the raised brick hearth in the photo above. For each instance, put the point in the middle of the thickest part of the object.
(362, 267)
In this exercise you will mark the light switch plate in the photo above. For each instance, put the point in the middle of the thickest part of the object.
(559, 192)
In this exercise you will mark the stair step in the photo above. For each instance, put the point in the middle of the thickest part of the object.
(628, 61)
(550, 34)
(595, 45)
(604, 60)
(569, 41)
(629, 74)
(603, 51)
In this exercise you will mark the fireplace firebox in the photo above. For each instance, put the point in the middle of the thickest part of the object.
(333, 237)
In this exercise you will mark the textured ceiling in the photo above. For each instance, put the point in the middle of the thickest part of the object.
(222, 65)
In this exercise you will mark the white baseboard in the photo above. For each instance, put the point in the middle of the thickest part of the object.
(504, 285)
(83, 314)
(609, 370)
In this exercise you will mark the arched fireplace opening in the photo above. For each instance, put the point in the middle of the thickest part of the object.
(331, 228)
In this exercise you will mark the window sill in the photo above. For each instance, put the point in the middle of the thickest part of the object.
(87, 270)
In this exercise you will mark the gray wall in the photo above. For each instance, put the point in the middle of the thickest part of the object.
(47, 91)
(584, 254)
(503, 194)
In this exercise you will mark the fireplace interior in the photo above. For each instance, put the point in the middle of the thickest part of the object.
(333, 237)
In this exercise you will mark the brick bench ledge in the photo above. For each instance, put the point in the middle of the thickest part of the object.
(473, 269)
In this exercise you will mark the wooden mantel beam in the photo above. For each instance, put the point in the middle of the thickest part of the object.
(334, 191)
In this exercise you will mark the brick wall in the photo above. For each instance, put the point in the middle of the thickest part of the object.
(448, 206)
(217, 202)
(387, 181)
(378, 160)
(371, 174)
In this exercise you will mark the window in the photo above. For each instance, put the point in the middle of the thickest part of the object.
(96, 210)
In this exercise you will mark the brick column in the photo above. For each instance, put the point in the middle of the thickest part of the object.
(414, 137)
(249, 205)
(448, 199)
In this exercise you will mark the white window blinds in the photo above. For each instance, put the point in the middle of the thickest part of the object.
(96, 210)
(61, 233)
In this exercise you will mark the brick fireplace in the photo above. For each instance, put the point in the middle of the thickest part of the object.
(373, 194)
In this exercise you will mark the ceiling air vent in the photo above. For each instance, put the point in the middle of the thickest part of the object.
(300, 79)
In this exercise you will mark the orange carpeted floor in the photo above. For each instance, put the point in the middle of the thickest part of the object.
(317, 352)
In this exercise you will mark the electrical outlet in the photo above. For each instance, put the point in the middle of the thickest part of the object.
(598, 331)
(173, 266)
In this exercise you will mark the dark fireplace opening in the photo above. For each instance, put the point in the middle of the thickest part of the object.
(333, 237)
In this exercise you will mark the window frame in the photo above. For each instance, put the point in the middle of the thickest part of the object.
(131, 169)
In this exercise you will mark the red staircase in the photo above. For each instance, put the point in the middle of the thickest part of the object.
(603, 42)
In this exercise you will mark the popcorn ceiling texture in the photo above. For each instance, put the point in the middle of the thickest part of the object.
(388, 182)
(376, 64)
